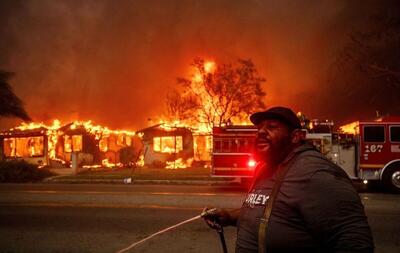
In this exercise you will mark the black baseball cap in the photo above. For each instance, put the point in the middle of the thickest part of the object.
(283, 114)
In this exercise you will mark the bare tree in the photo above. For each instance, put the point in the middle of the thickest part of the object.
(366, 73)
(10, 104)
(217, 95)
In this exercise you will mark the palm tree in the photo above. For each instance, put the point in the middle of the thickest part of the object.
(10, 104)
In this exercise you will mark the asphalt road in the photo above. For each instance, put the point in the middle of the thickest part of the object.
(107, 218)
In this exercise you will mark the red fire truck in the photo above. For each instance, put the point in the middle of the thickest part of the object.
(233, 149)
(370, 153)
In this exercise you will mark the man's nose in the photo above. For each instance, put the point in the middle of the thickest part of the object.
(262, 131)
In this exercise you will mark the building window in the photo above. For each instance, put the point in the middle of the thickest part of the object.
(395, 133)
(72, 143)
(120, 140)
(9, 147)
(202, 147)
(168, 144)
(374, 134)
(24, 146)
(128, 141)
(103, 144)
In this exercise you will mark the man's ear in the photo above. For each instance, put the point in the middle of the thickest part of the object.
(298, 136)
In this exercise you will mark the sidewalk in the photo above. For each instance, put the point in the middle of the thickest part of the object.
(192, 176)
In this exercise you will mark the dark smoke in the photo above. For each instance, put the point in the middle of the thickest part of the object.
(112, 61)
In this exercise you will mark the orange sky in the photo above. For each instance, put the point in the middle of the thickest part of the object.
(113, 61)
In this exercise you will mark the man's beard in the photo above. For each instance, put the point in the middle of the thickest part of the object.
(272, 153)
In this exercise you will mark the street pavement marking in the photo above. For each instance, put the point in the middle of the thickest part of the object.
(53, 204)
(119, 193)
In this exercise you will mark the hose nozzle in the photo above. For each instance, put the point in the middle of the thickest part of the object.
(206, 212)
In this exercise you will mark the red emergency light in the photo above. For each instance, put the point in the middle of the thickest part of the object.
(251, 163)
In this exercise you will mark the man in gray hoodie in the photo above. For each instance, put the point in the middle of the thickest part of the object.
(316, 208)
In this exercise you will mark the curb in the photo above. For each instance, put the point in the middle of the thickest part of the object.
(50, 179)
(59, 179)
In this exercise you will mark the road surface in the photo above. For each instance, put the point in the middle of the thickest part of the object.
(107, 218)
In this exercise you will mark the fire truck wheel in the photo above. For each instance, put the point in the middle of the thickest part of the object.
(391, 178)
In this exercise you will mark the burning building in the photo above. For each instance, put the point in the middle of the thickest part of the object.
(95, 146)
(84, 145)
(171, 147)
(78, 144)
(30, 145)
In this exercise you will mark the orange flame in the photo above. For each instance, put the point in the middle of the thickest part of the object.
(351, 128)
(98, 130)
(179, 164)
(108, 164)
(140, 162)
(209, 66)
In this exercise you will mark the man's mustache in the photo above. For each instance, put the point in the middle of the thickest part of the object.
(262, 138)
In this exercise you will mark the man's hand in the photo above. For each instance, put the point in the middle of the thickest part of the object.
(216, 218)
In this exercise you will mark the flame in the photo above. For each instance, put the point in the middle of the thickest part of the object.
(168, 150)
(140, 162)
(198, 77)
(96, 166)
(31, 126)
(351, 128)
(209, 66)
(105, 163)
(179, 164)
(34, 125)
(196, 128)
(98, 130)
(172, 125)
(108, 164)
(246, 122)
